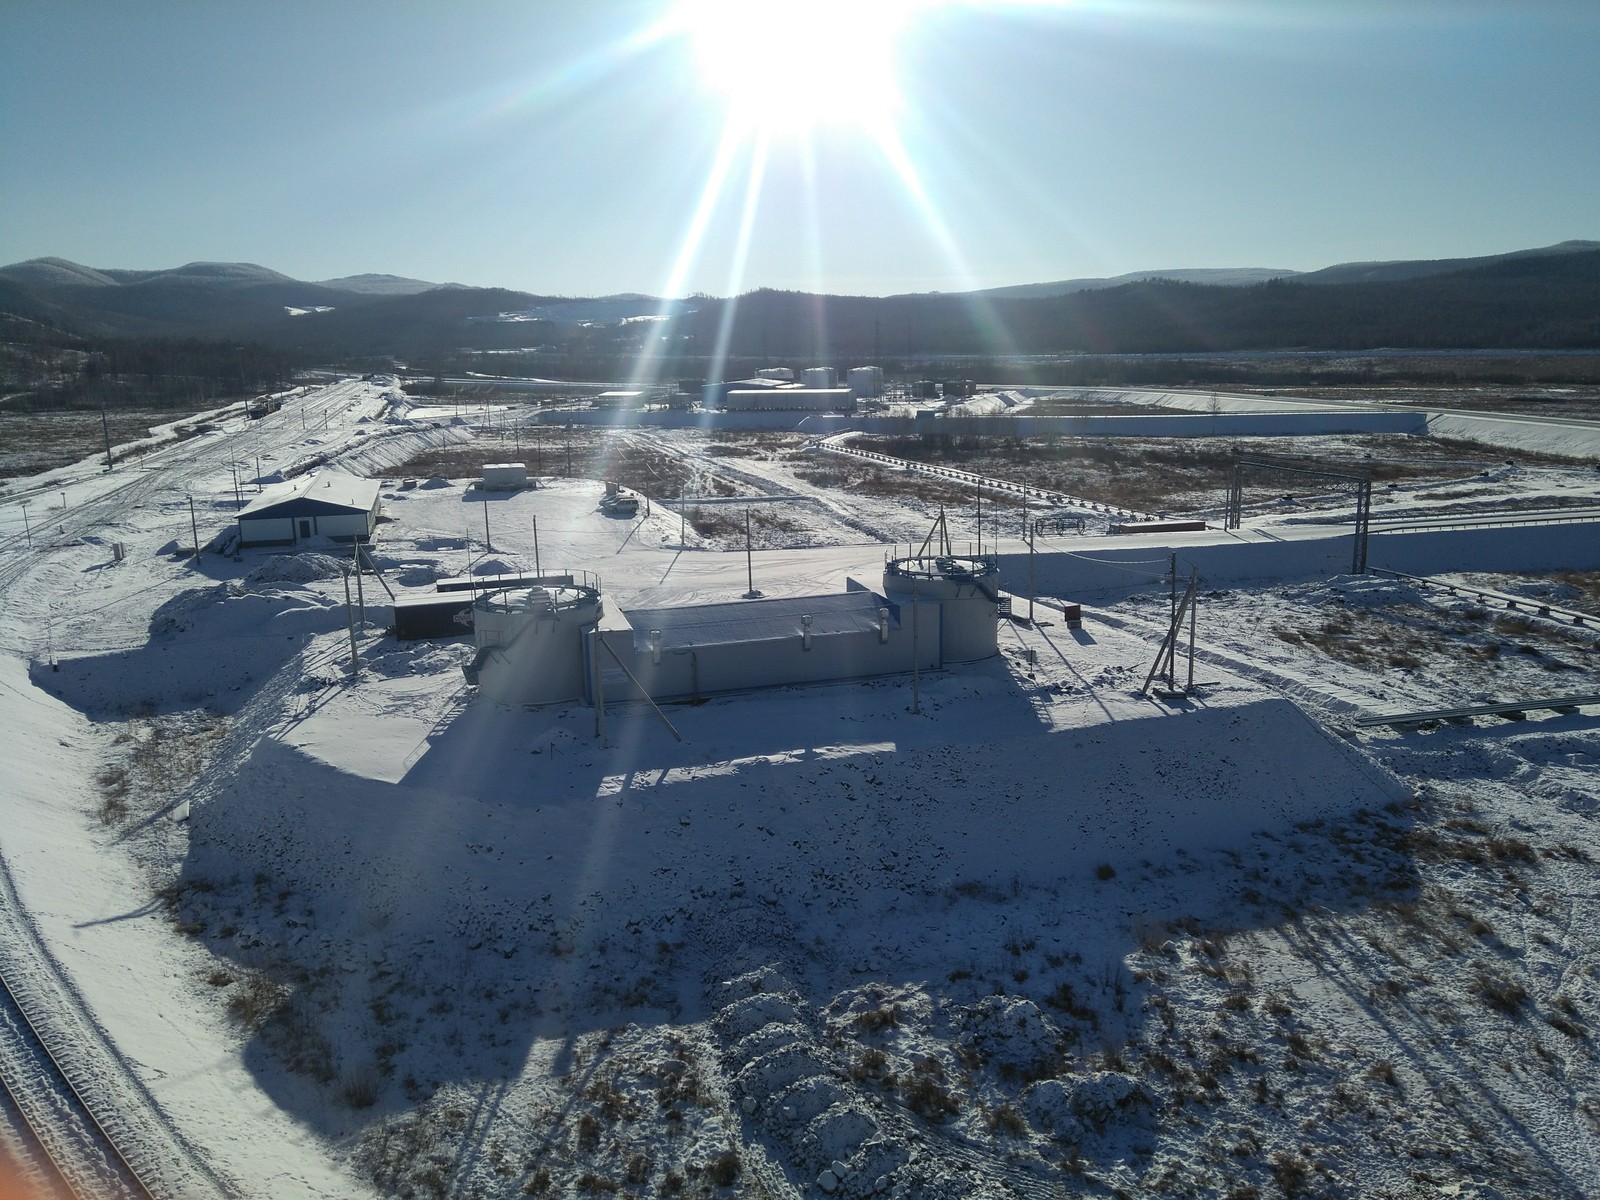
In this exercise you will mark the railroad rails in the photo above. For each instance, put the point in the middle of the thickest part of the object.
(1538, 608)
(66, 1143)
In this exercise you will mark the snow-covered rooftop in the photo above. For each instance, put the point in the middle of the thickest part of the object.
(758, 620)
(324, 487)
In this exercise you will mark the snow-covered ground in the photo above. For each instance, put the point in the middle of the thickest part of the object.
(1014, 929)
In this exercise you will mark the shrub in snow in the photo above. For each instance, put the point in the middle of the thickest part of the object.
(926, 1095)
(1100, 1098)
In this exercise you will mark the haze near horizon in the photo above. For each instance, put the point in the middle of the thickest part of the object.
(676, 146)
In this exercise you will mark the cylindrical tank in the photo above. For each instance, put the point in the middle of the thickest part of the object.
(866, 381)
(819, 377)
(967, 590)
(530, 642)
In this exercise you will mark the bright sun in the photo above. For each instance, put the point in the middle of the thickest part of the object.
(791, 66)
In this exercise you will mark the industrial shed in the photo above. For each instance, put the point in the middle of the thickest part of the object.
(557, 642)
(327, 504)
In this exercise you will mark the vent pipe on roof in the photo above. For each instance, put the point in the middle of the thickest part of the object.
(805, 631)
(883, 625)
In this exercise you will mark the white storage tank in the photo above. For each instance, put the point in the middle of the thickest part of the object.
(819, 377)
(866, 381)
(530, 642)
(967, 590)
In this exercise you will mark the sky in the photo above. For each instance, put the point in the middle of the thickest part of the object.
(868, 147)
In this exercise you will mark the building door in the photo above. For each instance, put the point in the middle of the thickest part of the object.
(305, 528)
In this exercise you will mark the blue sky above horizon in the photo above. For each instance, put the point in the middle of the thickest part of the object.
(606, 147)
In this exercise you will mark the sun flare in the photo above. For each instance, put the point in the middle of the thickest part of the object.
(794, 66)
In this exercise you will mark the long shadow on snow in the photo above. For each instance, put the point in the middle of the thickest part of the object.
(523, 884)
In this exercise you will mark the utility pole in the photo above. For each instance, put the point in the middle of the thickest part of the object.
(916, 652)
(361, 597)
(1172, 618)
(488, 546)
(350, 621)
(749, 560)
(1194, 605)
(238, 501)
(105, 426)
(259, 486)
(194, 529)
(980, 522)
(536, 569)
(683, 535)
(1030, 576)
(27, 527)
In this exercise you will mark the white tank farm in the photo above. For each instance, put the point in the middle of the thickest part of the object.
(967, 590)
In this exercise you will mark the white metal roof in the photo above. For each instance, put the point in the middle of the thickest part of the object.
(333, 488)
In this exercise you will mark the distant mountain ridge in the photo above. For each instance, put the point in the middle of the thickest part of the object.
(1218, 276)
(1355, 272)
(1547, 297)
(1377, 272)
(382, 285)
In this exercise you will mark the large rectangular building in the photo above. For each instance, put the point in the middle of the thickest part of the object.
(326, 504)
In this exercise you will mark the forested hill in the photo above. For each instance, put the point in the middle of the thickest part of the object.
(1533, 301)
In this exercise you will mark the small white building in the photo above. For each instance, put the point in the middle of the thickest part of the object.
(504, 477)
(325, 504)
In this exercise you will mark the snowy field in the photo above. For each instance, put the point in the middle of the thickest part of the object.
(1021, 931)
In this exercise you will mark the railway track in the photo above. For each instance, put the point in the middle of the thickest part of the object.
(76, 1121)
(69, 1151)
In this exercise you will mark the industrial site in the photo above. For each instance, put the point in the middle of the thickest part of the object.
(779, 788)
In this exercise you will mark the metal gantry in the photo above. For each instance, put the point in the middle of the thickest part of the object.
(1360, 483)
